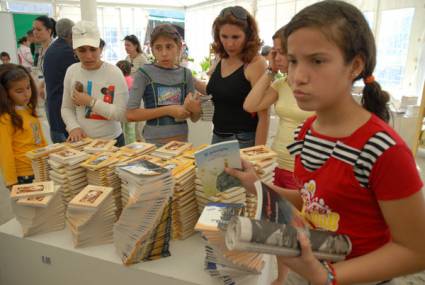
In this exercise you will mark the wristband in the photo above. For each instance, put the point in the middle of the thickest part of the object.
(331, 280)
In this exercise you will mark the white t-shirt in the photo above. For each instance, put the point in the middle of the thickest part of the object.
(25, 56)
(106, 84)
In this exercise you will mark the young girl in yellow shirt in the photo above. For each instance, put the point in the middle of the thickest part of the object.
(19, 126)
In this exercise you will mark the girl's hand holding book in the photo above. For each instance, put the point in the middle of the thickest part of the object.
(76, 134)
(247, 175)
(192, 103)
(178, 112)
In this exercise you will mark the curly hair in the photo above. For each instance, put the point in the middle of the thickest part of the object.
(253, 42)
(10, 73)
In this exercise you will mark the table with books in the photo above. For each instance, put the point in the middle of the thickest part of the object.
(52, 259)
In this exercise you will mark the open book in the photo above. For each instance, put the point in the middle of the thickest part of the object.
(275, 230)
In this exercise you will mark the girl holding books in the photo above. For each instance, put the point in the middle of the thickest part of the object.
(19, 126)
(357, 176)
(166, 89)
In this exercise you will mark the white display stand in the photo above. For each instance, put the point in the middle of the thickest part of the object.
(51, 259)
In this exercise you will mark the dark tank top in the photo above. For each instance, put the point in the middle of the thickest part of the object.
(228, 94)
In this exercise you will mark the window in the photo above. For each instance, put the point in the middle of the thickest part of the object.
(393, 44)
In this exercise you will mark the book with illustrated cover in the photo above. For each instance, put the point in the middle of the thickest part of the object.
(39, 152)
(215, 214)
(258, 152)
(172, 149)
(68, 156)
(211, 162)
(91, 196)
(138, 148)
(99, 145)
(275, 230)
(32, 189)
(143, 167)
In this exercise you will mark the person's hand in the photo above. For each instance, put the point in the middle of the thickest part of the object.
(272, 62)
(178, 112)
(76, 134)
(80, 98)
(192, 103)
(306, 265)
(247, 176)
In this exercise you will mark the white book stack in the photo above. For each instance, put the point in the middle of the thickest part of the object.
(38, 207)
(143, 230)
(231, 267)
(39, 158)
(184, 206)
(100, 145)
(171, 149)
(91, 216)
(67, 172)
(207, 108)
(79, 145)
(265, 161)
(101, 172)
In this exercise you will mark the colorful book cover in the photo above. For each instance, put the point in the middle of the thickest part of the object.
(211, 162)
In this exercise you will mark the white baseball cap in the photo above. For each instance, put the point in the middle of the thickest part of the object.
(85, 33)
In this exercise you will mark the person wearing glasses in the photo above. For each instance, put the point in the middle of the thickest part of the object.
(236, 44)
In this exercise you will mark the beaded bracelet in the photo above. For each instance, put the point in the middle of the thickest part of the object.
(331, 273)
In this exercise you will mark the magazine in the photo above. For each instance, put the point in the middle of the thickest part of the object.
(277, 229)
(211, 162)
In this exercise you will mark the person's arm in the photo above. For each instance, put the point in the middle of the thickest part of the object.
(68, 109)
(7, 157)
(200, 86)
(262, 95)
(134, 113)
(253, 73)
(262, 127)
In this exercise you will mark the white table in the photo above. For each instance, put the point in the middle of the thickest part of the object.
(23, 261)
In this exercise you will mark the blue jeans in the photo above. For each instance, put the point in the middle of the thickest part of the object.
(120, 140)
(58, 137)
(245, 139)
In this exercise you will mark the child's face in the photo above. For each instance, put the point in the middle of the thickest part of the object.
(89, 57)
(5, 59)
(317, 73)
(232, 38)
(20, 92)
(279, 56)
(166, 52)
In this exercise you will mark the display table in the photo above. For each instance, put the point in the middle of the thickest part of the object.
(51, 259)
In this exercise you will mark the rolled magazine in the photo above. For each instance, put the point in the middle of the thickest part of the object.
(246, 234)
(275, 229)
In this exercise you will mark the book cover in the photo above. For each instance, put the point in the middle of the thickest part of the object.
(211, 162)
(91, 196)
(32, 189)
(143, 167)
(215, 215)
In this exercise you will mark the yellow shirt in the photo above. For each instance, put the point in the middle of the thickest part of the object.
(290, 117)
(14, 145)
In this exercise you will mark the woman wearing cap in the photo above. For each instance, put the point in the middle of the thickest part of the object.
(95, 92)
(236, 43)
(135, 55)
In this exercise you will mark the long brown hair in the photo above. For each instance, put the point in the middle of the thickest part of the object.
(345, 25)
(249, 26)
(10, 73)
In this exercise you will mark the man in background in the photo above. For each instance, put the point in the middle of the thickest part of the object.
(59, 56)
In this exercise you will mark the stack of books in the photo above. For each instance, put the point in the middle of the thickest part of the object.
(79, 145)
(100, 145)
(67, 172)
(207, 108)
(138, 148)
(38, 207)
(101, 172)
(91, 216)
(185, 210)
(265, 161)
(231, 267)
(171, 149)
(39, 158)
(213, 184)
(143, 230)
